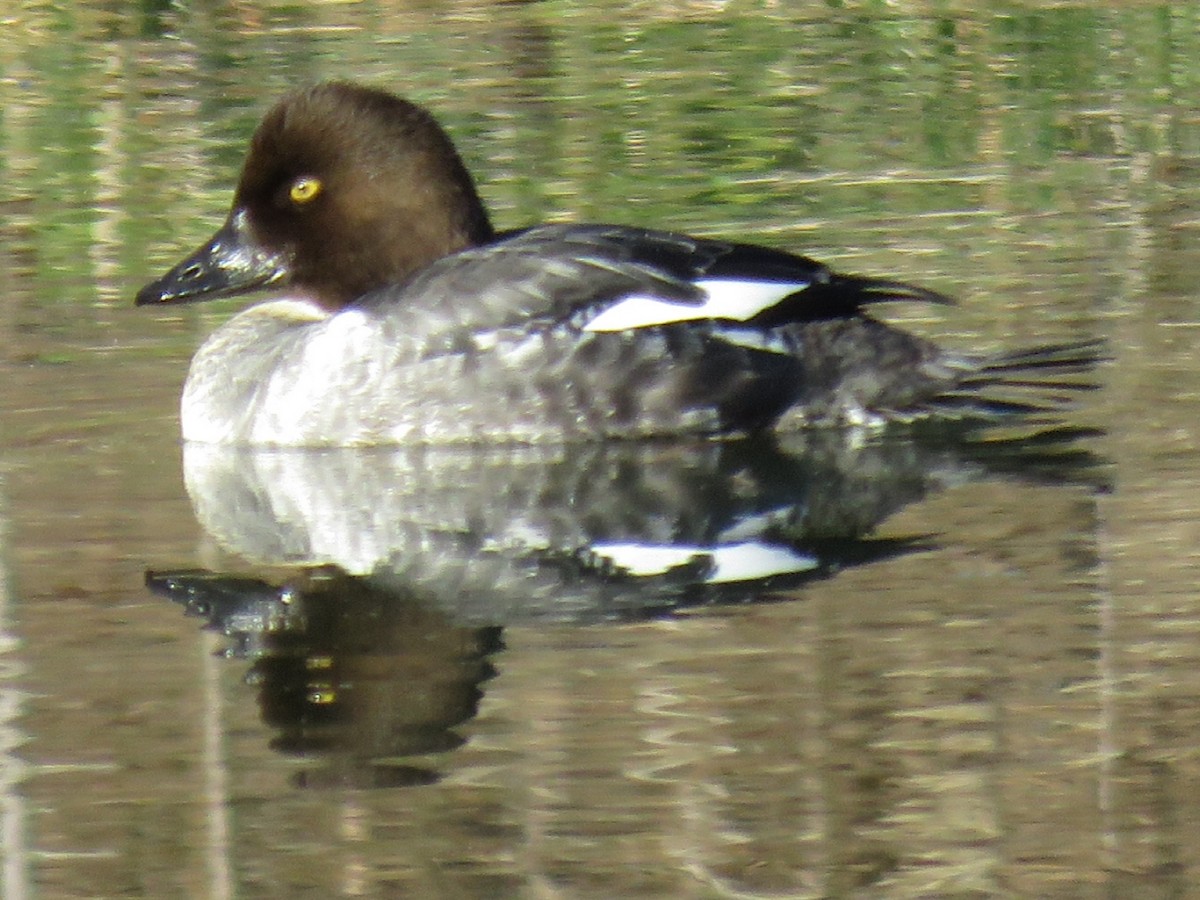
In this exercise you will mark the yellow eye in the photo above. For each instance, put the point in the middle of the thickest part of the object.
(304, 189)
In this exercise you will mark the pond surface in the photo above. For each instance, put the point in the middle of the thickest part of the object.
(977, 676)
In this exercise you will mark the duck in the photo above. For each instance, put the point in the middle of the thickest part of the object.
(399, 315)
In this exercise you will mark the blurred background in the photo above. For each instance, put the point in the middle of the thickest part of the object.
(1012, 711)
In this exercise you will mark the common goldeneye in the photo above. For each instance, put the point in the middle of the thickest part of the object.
(407, 319)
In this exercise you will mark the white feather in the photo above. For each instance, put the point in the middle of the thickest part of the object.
(724, 298)
(752, 560)
(754, 339)
(726, 562)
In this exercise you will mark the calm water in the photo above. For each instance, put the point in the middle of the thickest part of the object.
(987, 685)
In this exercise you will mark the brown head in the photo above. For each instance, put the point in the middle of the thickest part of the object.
(344, 189)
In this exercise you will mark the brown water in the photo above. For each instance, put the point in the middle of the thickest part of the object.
(1012, 711)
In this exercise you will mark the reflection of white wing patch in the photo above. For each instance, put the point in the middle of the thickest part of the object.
(727, 299)
(754, 339)
(724, 562)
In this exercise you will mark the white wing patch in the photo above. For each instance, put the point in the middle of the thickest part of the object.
(725, 298)
(754, 339)
(725, 562)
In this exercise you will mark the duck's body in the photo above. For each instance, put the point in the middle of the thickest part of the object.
(435, 360)
(409, 320)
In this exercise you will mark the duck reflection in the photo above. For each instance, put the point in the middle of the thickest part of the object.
(410, 562)
(356, 677)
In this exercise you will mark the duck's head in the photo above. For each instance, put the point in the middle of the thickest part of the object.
(345, 189)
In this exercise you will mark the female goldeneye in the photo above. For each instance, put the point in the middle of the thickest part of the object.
(408, 319)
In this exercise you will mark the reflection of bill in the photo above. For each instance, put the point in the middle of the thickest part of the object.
(360, 679)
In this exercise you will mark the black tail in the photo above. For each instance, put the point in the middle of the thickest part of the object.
(879, 290)
(842, 297)
(1040, 381)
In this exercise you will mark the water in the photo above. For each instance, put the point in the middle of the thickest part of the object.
(1001, 701)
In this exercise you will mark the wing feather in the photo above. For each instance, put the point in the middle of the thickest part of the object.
(608, 278)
